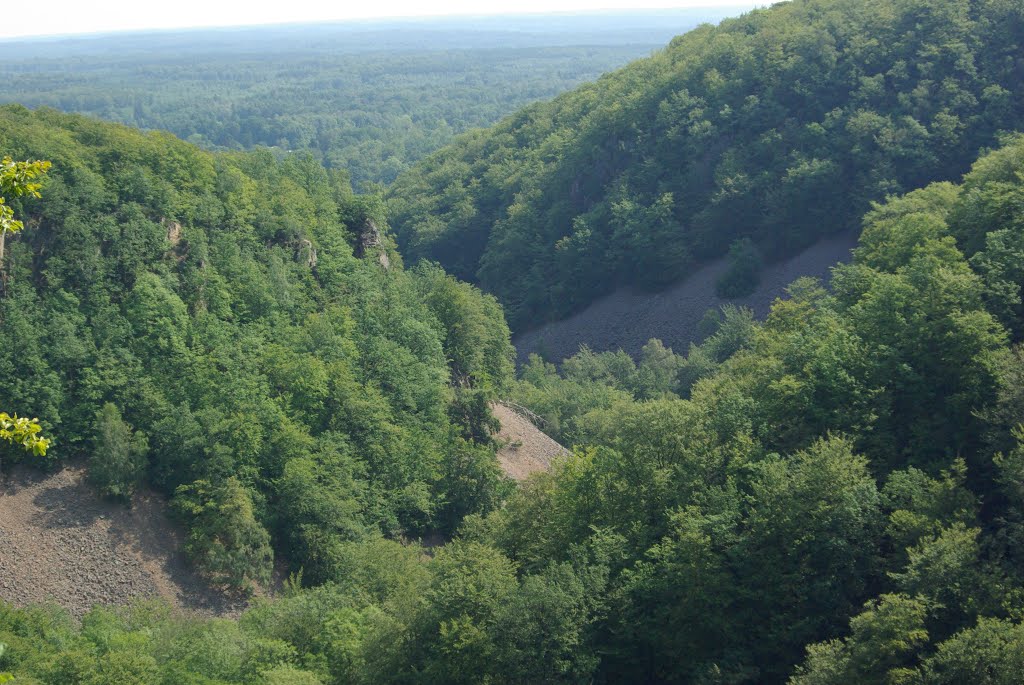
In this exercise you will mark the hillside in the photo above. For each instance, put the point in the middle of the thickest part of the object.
(237, 333)
(832, 495)
(524, 450)
(781, 126)
(830, 492)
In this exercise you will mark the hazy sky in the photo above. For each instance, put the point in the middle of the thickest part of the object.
(89, 16)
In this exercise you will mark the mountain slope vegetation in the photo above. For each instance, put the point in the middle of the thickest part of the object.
(779, 126)
(202, 323)
(832, 495)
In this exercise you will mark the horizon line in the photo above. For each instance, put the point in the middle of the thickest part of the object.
(101, 33)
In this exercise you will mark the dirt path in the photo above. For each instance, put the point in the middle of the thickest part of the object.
(526, 449)
(61, 543)
(627, 319)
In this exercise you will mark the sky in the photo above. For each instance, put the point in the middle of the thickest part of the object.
(60, 17)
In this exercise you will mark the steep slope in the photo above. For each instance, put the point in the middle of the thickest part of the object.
(838, 500)
(628, 318)
(525, 449)
(780, 125)
(60, 543)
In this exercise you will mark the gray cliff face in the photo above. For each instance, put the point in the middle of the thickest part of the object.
(173, 231)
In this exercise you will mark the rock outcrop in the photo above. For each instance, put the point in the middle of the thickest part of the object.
(372, 243)
(308, 252)
(173, 231)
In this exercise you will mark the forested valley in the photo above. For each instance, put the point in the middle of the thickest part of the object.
(831, 495)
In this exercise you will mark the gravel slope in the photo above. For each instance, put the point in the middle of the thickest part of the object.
(61, 543)
(627, 318)
(526, 449)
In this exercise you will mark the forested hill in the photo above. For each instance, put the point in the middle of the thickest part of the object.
(780, 125)
(224, 328)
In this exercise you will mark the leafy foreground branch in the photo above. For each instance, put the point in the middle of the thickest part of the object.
(24, 432)
(17, 179)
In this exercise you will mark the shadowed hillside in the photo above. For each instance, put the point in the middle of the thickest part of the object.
(628, 318)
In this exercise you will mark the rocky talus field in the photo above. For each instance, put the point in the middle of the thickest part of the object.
(60, 543)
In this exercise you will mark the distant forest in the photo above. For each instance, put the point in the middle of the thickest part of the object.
(367, 98)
